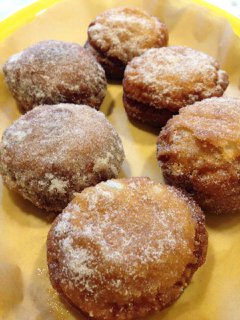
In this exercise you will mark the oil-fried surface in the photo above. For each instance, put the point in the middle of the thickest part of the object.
(125, 248)
(173, 77)
(55, 150)
(199, 150)
(120, 34)
(52, 72)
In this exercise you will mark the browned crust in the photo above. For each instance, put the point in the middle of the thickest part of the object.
(48, 164)
(126, 32)
(200, 252)
(142, 307)
(114, 68)
(198, 151)
(122, 34)
(146, 113)
(52, 72)
(173, 77)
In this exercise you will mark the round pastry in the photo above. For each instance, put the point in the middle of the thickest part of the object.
(52, 72)
(199, 151)
(161, 81)
(126, 248)
(120, 34)
(55, 150)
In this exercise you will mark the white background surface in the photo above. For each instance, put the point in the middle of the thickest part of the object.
(8, 7)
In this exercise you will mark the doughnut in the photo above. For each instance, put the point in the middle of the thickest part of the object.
(126, 248)
(120, 34)
(163, 80)
(52, 72)
(199, 151)
(53, 151)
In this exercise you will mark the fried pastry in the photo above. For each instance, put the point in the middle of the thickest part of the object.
(126, 248)
(52, 72)
(55, 150)
(120, 34)
(199, 151)
(161, 81)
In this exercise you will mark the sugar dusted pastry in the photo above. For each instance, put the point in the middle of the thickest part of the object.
(52, 72)
(120, 34)
(161, 81)
(55, 150)
(199, 151)
(126, 248)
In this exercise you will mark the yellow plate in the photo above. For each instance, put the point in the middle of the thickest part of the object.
(27, 14)
(25, 291)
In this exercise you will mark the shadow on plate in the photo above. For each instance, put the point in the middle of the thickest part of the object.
(8, 106)
(144, 127)
(130, 129)
(21, 210)
(223, 222)
(151, 168)
(108, 105)
(125, 171)
(115, 82)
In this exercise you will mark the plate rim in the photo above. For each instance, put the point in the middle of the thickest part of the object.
(28, 13)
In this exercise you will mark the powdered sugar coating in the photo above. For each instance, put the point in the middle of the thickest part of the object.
(125, 247)
(126, 32)
(173, 77)
(53, 151)
(51, 72)
(199, 150)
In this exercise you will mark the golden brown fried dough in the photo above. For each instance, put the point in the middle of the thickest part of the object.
(52, 72)
(126, 248)
(120, 34)
(55, 150)
(151, 115)
(169, 79)
(199, 151)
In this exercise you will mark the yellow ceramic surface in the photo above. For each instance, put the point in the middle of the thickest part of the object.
(25, 290)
